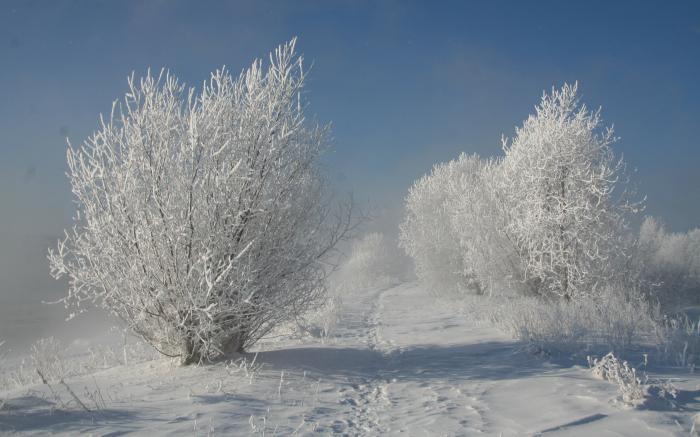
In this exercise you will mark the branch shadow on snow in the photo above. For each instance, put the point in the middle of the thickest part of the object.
(325, 360)
(688, 400)
(486, 361)
(33, 413)
(30, 414)
(493, 360)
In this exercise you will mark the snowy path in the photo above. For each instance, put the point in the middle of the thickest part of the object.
(398, 363)
(402, 363)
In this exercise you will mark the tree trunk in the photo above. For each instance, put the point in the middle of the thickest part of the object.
(234, 345)
(189, 352)
(562, 238)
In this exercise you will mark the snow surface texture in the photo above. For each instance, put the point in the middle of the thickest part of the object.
(397, 362)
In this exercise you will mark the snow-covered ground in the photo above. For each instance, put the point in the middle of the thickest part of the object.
(398, 362)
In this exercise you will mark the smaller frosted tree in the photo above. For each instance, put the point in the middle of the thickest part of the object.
(559, 179)
(479, 218)
(427, 233)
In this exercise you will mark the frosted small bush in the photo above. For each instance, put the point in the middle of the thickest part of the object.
(57, 361)
(48, 356)
(329, 315)
(318, 322)
(612, 369)
(635, 390)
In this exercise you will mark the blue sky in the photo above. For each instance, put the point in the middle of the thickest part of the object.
(406, 84)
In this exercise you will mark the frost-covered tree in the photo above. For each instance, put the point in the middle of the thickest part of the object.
(479, 219)
(548, 218)
(202, 219)
(558, 180)
(427, 233)
(455, 229)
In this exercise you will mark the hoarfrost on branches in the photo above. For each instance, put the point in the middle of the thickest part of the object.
(427, 234)
(546, 219)
(202, 219)
(559, 179)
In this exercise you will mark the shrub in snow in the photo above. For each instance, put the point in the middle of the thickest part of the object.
(202, 220)
(56, 361)
(635, 390)
(47, 355)
(321, 321)
(549, 221)
(558, 180)
(668, 265)
(610, 368)
(611, 320)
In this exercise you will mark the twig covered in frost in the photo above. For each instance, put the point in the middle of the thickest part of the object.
(250, 368)
(68, 389)
(74, 396)
(55, 395)
(279, 389)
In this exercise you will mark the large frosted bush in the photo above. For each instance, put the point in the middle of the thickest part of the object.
(202, 219)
